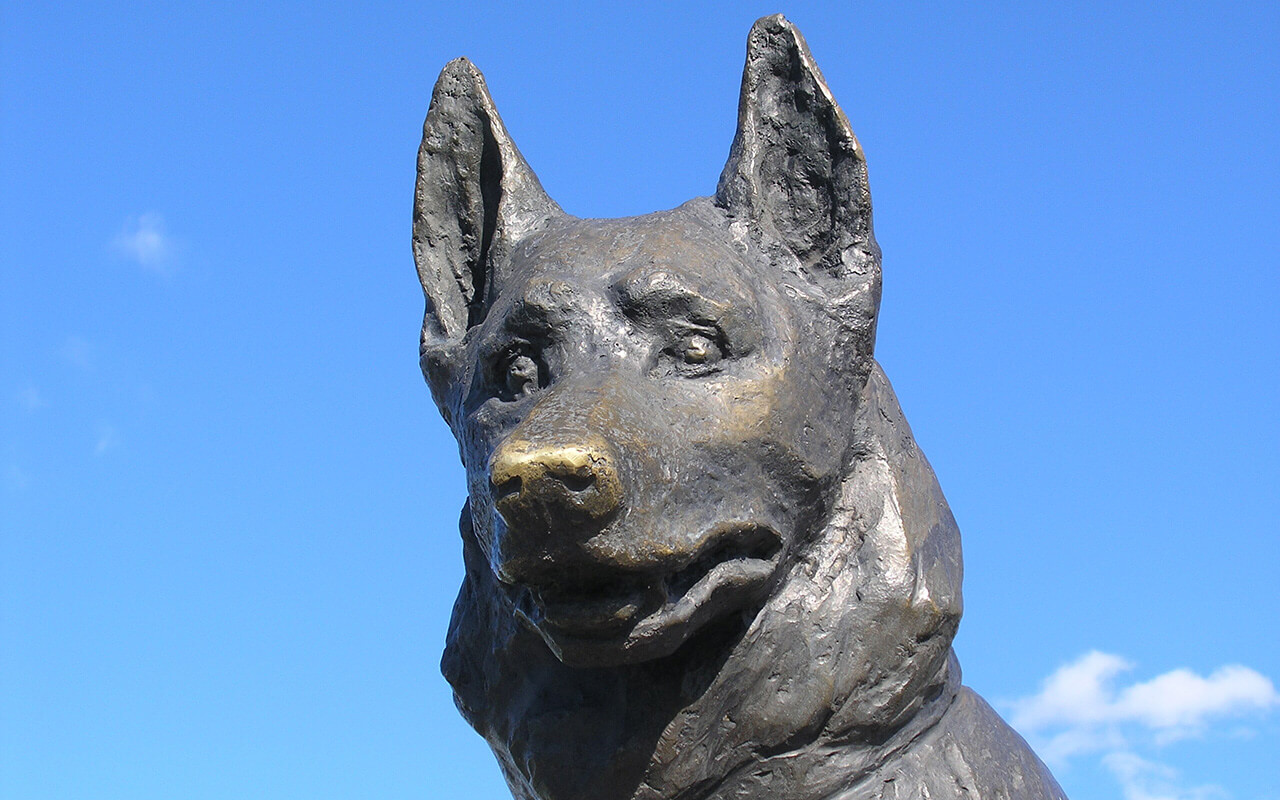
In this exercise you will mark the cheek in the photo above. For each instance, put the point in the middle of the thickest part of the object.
(719, 436)
(733, 410)
(783, 416)
(483, 428)
(822, 407)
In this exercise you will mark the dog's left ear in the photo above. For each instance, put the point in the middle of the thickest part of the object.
(797, 173)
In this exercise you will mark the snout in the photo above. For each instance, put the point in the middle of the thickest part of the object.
(567, 489)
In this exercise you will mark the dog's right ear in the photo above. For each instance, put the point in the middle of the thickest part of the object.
(475, 198)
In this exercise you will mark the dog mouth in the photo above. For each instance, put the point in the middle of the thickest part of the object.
(726, 571)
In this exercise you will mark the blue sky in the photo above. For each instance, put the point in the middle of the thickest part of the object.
(228, 509)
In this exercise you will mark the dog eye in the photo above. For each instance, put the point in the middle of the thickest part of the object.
(696, 354)
(518, 376)
(699, 349)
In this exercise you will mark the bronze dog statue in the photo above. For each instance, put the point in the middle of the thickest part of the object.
(705, 558)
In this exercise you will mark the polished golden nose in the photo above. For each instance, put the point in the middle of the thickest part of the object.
(546, 487)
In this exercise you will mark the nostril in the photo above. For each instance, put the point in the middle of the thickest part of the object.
(506, 487)
(576, 482)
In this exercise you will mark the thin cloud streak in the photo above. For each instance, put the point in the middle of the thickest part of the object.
(145, 241)
(108, 439)
(78, 352)
(29, 398)
(1141, 779)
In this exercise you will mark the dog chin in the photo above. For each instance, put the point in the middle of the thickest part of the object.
(627, 624)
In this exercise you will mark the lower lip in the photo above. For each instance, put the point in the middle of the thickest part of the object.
(595, 616)
(635, 611)
(644, 608)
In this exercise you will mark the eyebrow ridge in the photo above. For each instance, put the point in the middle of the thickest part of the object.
(664, 292)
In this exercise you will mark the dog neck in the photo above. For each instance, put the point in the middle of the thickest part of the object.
(808, 766)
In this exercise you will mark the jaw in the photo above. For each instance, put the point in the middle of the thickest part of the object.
(626, 619)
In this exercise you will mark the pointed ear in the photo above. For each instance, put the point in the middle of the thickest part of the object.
(475, 198)
(796, 171)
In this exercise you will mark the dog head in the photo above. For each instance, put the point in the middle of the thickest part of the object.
(701, 544)
(654, 412)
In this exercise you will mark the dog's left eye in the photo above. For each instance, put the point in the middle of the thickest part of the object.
(699, 349)
(697, 354)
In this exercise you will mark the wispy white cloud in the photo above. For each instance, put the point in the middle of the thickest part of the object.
(1141, 779)
(1080, 710)
(108, 439)
(145, 240)
(28, 397)
(1081, 698)
(1183, 700)
(78, 352)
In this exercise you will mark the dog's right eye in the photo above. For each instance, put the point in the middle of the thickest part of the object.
(518, 375)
